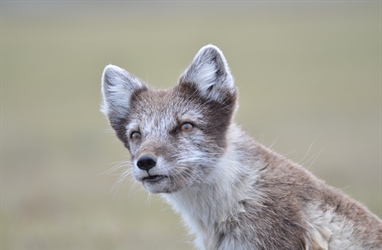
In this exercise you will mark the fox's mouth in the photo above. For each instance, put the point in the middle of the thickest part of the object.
(154, 178)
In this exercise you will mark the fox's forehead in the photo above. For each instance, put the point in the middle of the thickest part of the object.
(165, 103)
(159, 110)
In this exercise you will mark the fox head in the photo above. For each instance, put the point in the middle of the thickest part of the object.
(176, 136)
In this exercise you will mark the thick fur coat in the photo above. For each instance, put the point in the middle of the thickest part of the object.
(232, 192)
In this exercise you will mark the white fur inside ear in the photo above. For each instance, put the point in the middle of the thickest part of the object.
(117, 88)
(210, 72)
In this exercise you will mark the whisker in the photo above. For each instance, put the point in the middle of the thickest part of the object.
(315, 158)
(121, 180)
(119, 165)
(307, 153)
(122, 176)
(273, 143)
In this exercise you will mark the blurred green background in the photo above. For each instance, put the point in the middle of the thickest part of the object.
(309, 77)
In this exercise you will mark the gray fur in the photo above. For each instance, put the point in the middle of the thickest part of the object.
(232, 192)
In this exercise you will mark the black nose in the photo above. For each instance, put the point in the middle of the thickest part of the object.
(146, 162)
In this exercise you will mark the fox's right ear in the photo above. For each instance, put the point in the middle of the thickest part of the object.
(117, 88)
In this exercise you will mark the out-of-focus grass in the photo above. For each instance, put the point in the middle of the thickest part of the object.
(308, 76)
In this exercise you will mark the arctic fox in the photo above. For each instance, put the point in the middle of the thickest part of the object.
(232, 192)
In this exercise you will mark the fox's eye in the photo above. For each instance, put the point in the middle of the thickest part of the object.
(186, 126)
(135, 135)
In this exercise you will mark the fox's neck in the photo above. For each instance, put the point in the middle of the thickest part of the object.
(207, 205)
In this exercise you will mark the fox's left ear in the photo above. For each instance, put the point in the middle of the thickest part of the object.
(210, 73)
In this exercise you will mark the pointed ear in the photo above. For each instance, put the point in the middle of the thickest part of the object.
(117, 88)
(210, 74)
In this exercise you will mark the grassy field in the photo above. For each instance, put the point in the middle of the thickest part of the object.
(309, 80)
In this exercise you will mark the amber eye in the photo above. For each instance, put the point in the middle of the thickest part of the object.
(135, 135)
(186, 126)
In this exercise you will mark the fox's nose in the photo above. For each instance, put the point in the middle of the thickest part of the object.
(146, 162)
